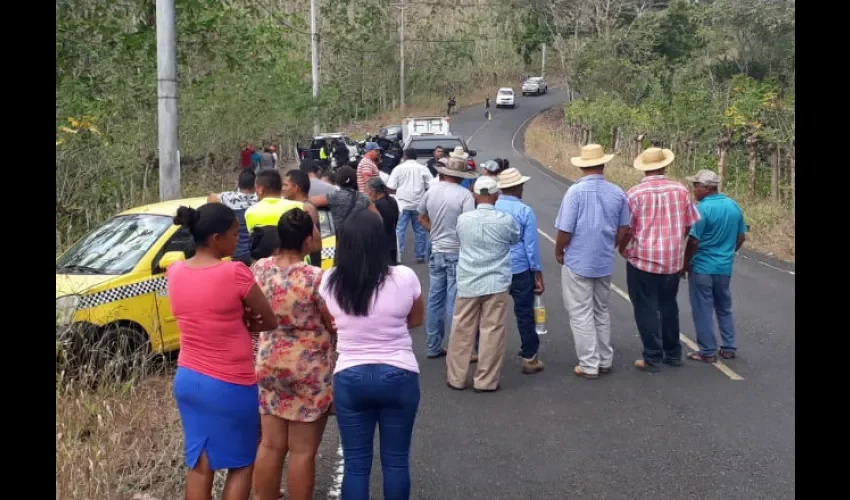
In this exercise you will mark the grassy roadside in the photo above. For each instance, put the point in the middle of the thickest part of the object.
(771, 225)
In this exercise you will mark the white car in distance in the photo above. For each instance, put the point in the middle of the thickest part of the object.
(506, 98)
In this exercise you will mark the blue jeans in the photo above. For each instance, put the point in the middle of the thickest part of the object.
(710, 294)
(441, 298)
(420, 237)
(522, 292)
(653, 298)
(366, 395)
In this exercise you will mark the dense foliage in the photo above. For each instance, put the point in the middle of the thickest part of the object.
(244, 70)
(713, 80)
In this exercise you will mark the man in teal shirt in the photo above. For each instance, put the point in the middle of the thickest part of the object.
(709, 257)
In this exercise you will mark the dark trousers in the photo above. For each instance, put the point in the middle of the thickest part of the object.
(366, 396)
(653, 297)
(522, 293)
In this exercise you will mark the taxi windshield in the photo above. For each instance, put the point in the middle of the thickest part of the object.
(115, 247)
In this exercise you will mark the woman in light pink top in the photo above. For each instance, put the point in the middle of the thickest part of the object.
(376, 380)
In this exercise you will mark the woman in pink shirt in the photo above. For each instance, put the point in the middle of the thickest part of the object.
(376, 380)
(215, 385)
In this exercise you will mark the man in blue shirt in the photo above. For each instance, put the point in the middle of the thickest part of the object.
(594, 217)
(709, 257)
(527, 272)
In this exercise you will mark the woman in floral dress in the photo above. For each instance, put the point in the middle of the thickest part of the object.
(294, 364)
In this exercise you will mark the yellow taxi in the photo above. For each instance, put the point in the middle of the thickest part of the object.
(111, 284)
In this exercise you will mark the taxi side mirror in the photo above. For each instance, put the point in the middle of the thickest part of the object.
(170, 258)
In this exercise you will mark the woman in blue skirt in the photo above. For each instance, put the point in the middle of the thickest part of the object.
(215, 386)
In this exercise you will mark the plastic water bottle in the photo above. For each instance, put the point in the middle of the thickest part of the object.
(539, 315)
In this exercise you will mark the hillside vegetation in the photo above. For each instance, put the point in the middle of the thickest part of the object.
(711, 80)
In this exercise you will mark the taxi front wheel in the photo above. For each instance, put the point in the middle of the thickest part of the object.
(121, 352)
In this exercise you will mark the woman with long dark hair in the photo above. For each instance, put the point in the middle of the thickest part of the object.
(344, 201)
(376, 379)
(215, 385)
(294, 363)
(388, 208)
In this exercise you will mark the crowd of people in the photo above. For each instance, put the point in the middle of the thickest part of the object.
(338, 342)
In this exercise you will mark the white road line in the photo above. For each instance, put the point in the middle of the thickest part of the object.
(469, 141)
(720, 365)
(335, 489)
(792, 273)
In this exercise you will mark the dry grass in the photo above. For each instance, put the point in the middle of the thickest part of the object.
(771, 224)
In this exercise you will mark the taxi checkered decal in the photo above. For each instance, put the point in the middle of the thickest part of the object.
(328, 253)
(123, 292)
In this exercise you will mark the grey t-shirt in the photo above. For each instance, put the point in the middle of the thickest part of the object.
(339, 203)
(443, 203)
(319, 187)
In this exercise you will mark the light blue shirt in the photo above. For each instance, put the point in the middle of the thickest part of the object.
(525, 255)
(484, 264)
(592, 210)
(721, 221)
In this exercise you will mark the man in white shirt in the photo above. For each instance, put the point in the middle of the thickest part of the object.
(409, 181)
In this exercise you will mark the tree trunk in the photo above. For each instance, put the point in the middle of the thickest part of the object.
(792, 165)
(752, 149)
(723, 151)
(614, 137)
(774, 173)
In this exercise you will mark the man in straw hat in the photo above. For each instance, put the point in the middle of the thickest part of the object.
(593, 218)
(662, 213)
(439, 209)
(486, 236)
(709, 258)
(526, 268)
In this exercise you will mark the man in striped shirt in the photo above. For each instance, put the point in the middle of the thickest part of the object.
(662, 214)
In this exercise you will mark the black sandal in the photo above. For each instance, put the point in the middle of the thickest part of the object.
(727, 354)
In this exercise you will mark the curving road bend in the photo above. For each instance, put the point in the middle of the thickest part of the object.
(709, 432)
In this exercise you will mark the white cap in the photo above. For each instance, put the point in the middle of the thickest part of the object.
(486, 185)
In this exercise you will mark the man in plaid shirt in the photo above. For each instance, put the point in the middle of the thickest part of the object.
(662, 214)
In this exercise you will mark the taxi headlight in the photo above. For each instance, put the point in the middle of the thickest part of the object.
(65, 308)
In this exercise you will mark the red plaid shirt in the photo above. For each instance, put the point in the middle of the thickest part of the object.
(661, 214)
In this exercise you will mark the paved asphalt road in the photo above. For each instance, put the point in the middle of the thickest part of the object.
(685, 432)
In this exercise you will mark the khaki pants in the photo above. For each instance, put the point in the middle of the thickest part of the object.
(586, 301)
(487, 315)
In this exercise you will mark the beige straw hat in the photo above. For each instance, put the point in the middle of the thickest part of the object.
(455, 167)
(592, 155)
(653, 159)
(511, 177)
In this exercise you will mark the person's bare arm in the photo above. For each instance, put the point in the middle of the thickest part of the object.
(374, 209)
(426, 222)
(622, 234)
(417, 313)
(263, 318)
(561, 244)
(320, 201)
(317, 236)
(624, 242)
(691, 247)
(212, 198)
(740, 242)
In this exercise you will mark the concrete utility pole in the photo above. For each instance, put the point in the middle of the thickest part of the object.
(314, 56)
(166, 93)
(543, 61)
(401, 55)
